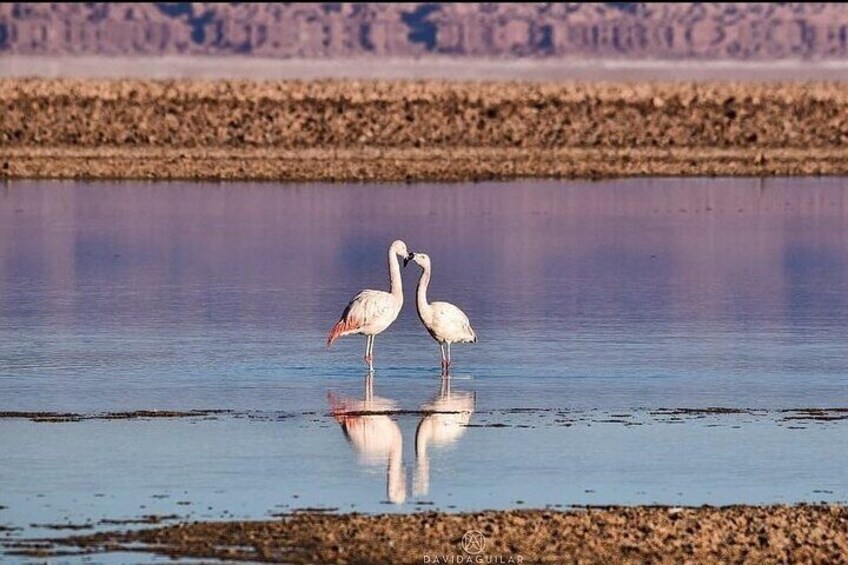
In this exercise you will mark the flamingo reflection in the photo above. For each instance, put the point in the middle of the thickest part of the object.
(445, 421)
(373, 435)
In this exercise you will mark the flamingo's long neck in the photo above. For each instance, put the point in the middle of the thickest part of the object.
(421, 294)
(394, 276)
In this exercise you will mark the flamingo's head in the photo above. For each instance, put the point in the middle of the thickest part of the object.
(398, 247)
(421, 259)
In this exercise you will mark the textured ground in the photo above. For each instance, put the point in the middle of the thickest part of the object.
(777, 534)
(365, 130)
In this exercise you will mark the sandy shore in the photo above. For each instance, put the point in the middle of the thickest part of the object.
(772, 534)
(402, 130)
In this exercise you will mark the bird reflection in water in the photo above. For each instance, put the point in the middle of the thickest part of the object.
(445, 421)
(373, 435)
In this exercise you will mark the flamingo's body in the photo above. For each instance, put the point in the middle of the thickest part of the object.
(445, 322)
(372, 311)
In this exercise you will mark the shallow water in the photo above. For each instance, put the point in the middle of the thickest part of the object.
(600, 307)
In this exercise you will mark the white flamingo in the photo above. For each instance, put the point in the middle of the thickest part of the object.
(372, 311)
(445, 322)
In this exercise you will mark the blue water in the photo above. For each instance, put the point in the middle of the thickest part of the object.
(594, 303)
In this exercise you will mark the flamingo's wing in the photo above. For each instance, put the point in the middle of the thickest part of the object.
(367, 307)
(364, 309)
(452, 323)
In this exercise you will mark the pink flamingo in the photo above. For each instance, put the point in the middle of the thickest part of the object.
(372, 311)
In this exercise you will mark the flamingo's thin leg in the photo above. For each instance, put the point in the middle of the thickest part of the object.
(442, 351)
(368, 340)
(449, 359)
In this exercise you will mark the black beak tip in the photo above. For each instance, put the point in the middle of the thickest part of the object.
(407, 259)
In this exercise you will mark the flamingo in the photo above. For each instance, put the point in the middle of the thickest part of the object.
(372, 311)
(445, 322)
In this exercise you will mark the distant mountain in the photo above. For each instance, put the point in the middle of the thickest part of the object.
(611, 29)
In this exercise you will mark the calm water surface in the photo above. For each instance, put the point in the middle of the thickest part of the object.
(602, 309)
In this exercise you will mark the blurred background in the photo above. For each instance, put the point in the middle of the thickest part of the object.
(474, 40)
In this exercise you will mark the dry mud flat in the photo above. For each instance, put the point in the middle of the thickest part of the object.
(429, 130)
(772, 534)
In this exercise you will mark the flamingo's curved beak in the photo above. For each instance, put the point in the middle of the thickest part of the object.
(407, 259)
